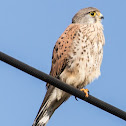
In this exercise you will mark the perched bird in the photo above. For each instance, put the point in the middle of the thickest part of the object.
(76, 59)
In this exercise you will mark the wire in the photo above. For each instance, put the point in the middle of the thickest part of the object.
(61, 85)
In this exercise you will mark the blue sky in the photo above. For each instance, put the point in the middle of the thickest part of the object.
(28, 32)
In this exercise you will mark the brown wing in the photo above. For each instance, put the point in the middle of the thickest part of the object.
(61, 49)
(59, 58)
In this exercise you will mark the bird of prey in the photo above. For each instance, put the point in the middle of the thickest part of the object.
(76, 59)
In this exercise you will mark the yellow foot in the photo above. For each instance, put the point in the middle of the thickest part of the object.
(86, 91)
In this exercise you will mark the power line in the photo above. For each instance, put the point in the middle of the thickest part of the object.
(61, 85)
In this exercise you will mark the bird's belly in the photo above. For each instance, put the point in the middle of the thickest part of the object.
(78, 75)
(74, 77)
(82, 71)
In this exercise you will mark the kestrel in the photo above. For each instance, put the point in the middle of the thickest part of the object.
(76, 59)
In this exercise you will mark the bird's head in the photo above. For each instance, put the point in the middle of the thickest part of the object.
(87, 15)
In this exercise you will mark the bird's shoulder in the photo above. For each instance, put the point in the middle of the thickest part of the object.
(61, 50)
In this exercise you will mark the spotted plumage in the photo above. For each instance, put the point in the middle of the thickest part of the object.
(76, 59)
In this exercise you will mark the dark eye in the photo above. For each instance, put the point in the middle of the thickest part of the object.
(92, 14)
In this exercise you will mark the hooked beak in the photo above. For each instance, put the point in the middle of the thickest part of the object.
(101, 16)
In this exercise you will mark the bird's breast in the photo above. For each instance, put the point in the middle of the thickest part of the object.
(85, 58)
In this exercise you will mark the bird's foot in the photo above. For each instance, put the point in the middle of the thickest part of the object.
(86, 91)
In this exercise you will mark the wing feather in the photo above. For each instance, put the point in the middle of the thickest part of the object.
(61, 50)
(60, 56)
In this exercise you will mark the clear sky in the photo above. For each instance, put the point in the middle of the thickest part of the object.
(28, 32)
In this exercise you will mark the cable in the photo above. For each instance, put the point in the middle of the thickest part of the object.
(61, 85)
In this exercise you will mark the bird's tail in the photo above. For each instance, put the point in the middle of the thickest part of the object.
(49, 105)
(44, 114)
(46, 110)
